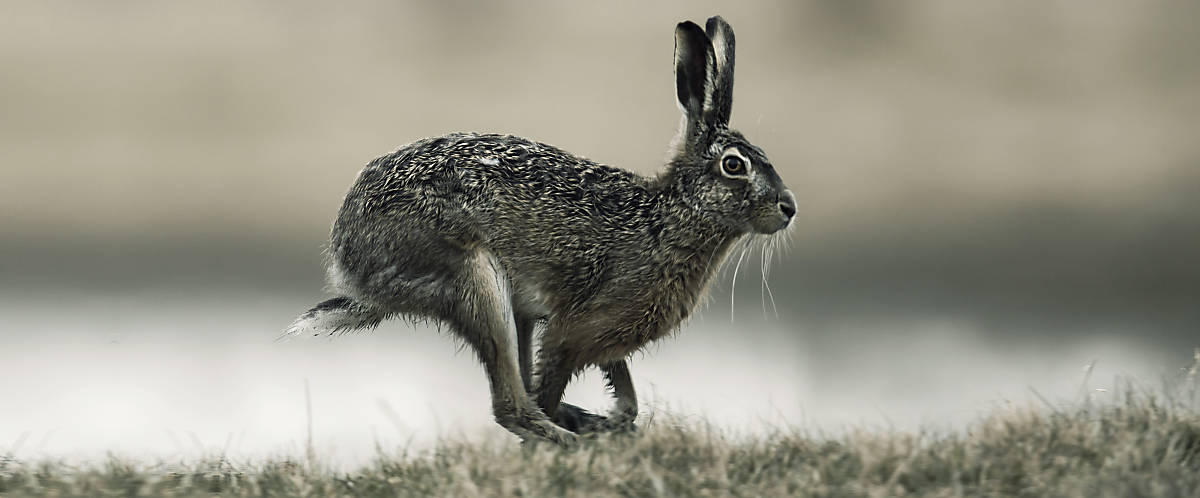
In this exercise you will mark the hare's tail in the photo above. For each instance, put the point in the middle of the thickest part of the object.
(340, 314)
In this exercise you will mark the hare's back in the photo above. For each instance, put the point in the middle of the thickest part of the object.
(487, 178)
(534, 206)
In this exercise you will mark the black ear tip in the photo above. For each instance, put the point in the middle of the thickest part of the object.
(688, 27)
(715, 23)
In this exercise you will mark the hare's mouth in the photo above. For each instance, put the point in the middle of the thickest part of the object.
(777, 217)
(787, 222)
(770, 224)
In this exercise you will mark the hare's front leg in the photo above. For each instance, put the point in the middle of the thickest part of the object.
(555, 369)
(557, 365)
(620, 417)
(567, 416)
(485, 321)
(626, 408)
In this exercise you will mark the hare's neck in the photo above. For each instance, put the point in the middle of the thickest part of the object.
(687, 265)
(693, 249)
(697, 260)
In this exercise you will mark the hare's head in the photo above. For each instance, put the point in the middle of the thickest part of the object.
(719, 172)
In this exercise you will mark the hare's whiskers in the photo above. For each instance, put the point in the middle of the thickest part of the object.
(767, 273)
(733, 288)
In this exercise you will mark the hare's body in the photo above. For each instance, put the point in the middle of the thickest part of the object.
(492, 234)
(570, 236)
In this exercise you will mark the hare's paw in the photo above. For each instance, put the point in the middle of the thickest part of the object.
(578, 420)
(532, 426)
(620, 422)
(544, 431)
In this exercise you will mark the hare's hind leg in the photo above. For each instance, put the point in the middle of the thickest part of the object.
(484, 319)
(525, 324)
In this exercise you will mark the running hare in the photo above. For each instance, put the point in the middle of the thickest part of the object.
(494, 234)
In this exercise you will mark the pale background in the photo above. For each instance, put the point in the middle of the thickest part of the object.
(992, 195)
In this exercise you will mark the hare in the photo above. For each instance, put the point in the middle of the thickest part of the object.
(492, 235)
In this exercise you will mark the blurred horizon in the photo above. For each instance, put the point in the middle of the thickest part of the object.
(989, 194)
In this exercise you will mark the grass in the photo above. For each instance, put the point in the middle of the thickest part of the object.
(1138, 445)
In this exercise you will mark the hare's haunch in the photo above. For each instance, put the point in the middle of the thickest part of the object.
(492, 235)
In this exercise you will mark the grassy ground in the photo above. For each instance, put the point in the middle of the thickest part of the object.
(1141, 445)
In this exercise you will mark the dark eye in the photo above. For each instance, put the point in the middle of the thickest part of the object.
(733, 165)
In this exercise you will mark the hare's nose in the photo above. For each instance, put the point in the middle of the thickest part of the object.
(787, 204)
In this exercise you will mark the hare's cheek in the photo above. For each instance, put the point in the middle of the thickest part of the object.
(713, 193)
(762, 187)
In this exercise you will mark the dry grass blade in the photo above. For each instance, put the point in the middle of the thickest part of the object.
(1137, 445)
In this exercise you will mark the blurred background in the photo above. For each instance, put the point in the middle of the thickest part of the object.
(992, 196)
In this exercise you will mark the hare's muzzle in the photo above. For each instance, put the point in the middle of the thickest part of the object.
(787, 208)
(787, 205)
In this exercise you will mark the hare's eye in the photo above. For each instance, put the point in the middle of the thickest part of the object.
(733, 165)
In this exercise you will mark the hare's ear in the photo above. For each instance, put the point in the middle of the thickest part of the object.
(721, 34)
(695, 77)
